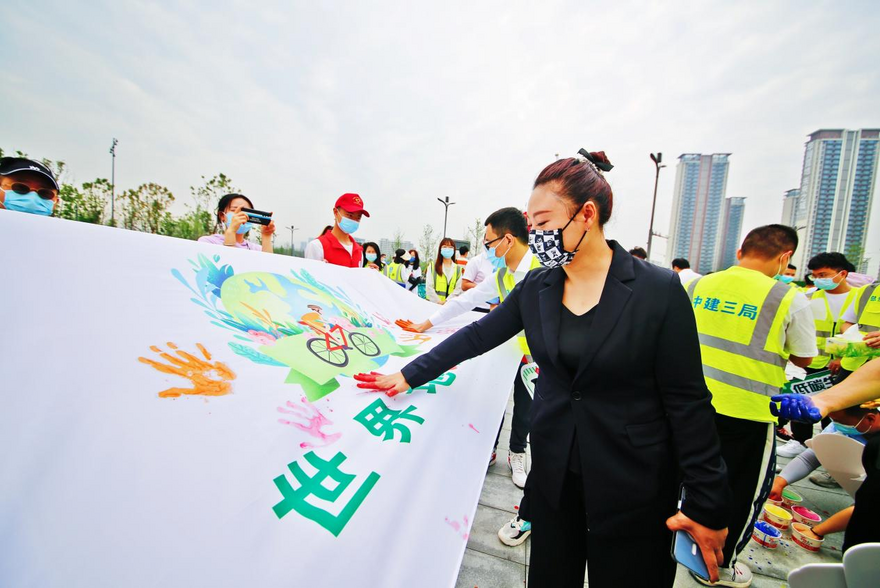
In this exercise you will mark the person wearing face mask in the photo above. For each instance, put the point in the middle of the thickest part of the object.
(860, 389)
(338, 246)
(235, 226)
(444, 279)
(854, 422)
(398, 270)
(372, 257)
(749, 325)
(835, 295)
(858, 423)
(27, 186)
(507, 249)
(621, 414)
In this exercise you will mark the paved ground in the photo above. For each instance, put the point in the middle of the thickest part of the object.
(488, 563)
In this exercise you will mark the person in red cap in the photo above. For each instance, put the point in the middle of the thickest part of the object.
(337, 246)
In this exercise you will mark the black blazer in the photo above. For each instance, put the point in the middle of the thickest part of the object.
(639, 402)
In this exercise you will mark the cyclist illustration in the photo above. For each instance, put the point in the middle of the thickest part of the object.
(331, 343)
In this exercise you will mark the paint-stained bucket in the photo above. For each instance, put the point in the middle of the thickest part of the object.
(803, 515)
(798, 535)
(776, 516)
(790, 498)
(766, 534)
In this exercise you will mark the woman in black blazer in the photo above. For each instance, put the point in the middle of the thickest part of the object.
(621, 415)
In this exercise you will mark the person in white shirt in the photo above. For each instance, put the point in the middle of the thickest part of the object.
(834, 295)
(682, 267)
(477, 270)
(507, 245)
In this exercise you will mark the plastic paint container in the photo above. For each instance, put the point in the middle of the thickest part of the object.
(766, 535)
(801, 540)
(778, 517)
(775, 502)
(803, 515)
(790, 498)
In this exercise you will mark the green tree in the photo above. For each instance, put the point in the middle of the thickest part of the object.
(145, 208)
(855, 254)
(428, 244)
(87, 205)
(200, 219)
(397, 240)
(475, 236)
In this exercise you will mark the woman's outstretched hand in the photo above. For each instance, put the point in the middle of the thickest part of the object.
(391, 385)
(413, 327)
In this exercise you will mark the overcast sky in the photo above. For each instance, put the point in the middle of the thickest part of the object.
(299, 102)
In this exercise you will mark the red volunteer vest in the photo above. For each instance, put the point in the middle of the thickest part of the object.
(336, 254)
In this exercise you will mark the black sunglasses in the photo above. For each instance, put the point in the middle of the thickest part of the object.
(487, 243)
(45, 193)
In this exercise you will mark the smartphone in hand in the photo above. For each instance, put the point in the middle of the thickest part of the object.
(686, 551)
(257, 217)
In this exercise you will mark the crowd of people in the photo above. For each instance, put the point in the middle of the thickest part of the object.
(658, 403)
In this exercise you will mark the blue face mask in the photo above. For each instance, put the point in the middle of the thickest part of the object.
(371, 257)
(447, 252)
(497, 262)
(847, 430)
(785, 279)
(825, 283)
(244, 228)
(348, 226)
(30, 203)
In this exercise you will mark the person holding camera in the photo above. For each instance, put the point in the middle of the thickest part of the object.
(233, 225)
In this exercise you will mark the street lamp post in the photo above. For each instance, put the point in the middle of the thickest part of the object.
(113, 182)
(292, 229)
(446, 204)
(656, 159)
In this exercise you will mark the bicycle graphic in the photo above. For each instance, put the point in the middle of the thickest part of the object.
(331, 345)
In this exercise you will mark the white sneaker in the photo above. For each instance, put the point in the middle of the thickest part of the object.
(738, 577)
(791, 449)
(517, 463)
(515, 532)
(824, 479)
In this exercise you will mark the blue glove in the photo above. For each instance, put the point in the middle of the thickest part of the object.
(795, 407)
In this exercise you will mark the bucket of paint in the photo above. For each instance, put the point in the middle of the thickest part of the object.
(766, 535)
(799, 535)
(803, 515)
(778, 503)
(776, 516)
(791, 498)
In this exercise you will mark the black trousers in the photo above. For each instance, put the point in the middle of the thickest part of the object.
(749, 450)
(562, 545)
(522, 406)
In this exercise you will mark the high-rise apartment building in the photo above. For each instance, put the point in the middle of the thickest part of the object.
(697, 208)
(734, 209)
(837, 189)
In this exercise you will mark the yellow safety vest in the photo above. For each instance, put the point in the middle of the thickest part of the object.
(506, 282)
(867, 307)
(441, 287)
(394, 271)
(829, 325)
(740, 314)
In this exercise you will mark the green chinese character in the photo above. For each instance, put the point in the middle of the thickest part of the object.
(380, 420)
(431, 387)
(314, 486)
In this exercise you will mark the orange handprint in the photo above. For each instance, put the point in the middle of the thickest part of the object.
(208, 379)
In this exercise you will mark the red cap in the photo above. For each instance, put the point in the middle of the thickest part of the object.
(351, 203)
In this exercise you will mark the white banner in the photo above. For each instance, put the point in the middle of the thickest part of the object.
(180, 414)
